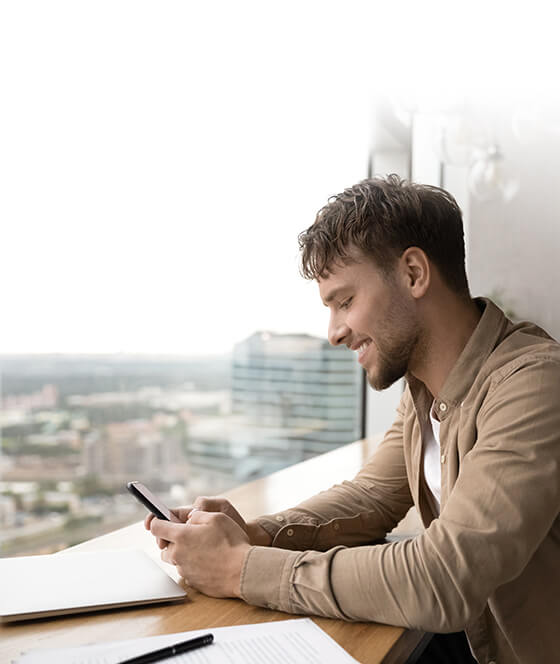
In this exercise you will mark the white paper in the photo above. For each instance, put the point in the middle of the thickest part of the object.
(297, 641)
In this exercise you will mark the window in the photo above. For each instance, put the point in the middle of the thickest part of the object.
(154, 189)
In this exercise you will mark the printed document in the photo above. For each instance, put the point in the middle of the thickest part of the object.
(298, 641)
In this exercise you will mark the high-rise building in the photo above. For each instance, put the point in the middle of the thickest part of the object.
(297, 396)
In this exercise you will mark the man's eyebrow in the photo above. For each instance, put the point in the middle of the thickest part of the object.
(331, 296)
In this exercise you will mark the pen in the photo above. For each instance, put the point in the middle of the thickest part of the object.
(169, 651)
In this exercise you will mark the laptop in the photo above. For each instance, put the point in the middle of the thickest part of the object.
(57, 584)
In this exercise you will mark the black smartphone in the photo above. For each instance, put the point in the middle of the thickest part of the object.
(152, 502)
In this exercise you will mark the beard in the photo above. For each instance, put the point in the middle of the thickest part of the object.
(396, 343)
(390, 367)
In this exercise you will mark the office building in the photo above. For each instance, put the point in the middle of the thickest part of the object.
(296, 395)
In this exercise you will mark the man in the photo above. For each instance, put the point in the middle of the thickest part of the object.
(475, 446)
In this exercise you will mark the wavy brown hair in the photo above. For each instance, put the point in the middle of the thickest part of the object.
(382, 217)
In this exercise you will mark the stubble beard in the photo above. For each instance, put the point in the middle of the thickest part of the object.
(395, 347)
(390, 368)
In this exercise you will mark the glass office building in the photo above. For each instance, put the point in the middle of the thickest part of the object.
(296, 395)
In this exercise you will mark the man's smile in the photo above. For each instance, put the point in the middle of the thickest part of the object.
(361, 348)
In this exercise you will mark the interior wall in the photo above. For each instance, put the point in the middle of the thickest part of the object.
(514, 248)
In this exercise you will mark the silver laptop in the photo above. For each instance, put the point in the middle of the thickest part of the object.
(44, 586)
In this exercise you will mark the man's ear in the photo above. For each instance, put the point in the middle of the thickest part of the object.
(416, 270)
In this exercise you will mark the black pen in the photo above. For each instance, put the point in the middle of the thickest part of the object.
(169, 651)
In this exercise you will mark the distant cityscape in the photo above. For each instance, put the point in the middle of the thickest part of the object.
(75, 429)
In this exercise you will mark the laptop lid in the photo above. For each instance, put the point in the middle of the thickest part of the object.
(50, 585)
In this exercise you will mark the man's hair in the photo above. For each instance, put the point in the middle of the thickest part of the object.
(382, 217)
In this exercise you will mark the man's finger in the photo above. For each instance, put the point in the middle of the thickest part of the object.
(199, 517)
(167, 555)
(211, 503)
(166, 530)
(182, 513)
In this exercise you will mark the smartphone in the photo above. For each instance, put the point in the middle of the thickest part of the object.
(153, 503)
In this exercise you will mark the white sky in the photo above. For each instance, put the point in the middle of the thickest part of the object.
(158, 159)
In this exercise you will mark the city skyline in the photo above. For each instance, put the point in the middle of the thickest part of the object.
(74, 429)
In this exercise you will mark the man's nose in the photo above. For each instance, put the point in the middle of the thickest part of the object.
(338, 332)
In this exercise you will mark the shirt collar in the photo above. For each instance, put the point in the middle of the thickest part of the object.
(486, 336)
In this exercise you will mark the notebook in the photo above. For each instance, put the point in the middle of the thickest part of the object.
(51, 585)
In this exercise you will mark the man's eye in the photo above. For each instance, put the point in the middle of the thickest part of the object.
(346, 303)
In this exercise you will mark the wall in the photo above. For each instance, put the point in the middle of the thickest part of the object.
(514, 248)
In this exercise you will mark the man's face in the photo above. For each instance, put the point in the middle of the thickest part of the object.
(374, 315)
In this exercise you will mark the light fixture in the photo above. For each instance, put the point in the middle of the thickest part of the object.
(462, 137)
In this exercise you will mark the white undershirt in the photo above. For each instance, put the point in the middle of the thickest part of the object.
(432, 453)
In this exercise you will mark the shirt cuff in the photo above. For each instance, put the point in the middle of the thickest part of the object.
(270, 524)
(265, 577)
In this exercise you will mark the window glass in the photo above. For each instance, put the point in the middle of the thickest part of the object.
(76, 429)
(155, 326)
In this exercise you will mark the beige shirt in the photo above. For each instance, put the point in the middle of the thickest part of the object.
(490, 563)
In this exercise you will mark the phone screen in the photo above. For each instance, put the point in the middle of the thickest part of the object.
(151, 501)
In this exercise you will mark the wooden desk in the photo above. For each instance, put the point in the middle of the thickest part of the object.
(369, 643)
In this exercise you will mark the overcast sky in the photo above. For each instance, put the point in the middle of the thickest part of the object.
(158, 159)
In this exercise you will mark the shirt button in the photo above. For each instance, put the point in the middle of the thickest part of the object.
(279, 518)
(290, 532)
(336, 526)
(443, 461)
(443, 407)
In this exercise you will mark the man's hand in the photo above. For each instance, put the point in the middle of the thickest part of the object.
(208, 551)
(256, 534)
